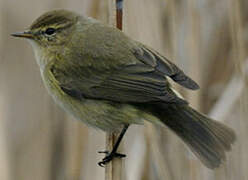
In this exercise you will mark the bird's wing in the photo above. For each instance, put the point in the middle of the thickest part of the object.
(134, 83)
(113, 67)
(163, 65)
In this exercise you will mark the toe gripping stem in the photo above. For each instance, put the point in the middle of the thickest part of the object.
(113, 154)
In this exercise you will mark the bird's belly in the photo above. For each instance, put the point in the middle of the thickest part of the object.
(105, 115)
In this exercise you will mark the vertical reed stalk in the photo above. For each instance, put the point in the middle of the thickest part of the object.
(114, 169)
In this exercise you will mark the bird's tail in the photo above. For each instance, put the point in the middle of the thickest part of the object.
(208, 139)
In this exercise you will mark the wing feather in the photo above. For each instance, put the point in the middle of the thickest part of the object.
(163, 65)
(132, 83)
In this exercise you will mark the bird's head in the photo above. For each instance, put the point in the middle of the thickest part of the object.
(51, 29)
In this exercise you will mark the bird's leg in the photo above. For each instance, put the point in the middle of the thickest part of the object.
(110, 156)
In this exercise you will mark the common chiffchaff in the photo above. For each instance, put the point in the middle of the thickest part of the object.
(108, 81)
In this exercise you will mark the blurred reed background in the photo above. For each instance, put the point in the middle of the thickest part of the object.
(206, 38)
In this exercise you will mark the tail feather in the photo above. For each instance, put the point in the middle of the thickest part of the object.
(208, 139)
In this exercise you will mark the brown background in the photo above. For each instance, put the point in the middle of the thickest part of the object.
(206, 38)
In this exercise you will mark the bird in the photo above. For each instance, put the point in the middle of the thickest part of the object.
(109, 81)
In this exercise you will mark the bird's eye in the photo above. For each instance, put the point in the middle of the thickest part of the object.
(50, 31)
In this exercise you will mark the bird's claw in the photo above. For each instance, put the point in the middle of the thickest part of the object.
(109, 157)
(104, 152)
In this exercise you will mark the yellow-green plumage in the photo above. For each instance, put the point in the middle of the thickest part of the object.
(108, 116)
(107, 80)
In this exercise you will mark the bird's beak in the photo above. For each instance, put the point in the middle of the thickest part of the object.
(25, 34)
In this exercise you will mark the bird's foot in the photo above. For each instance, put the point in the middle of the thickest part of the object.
(109, 157)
